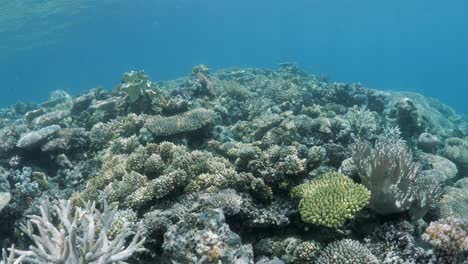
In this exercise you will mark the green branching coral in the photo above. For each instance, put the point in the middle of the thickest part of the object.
(330, 199)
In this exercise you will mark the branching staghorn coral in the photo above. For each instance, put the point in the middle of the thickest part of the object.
(81, 237)
(389, 172)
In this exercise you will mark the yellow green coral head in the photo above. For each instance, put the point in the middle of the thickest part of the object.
(331, 199)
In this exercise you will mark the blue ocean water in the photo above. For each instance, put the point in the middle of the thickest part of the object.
(414, 45)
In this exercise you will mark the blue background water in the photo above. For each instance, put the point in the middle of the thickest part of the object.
(418, 45)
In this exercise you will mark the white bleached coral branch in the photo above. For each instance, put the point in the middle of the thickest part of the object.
(81, 237)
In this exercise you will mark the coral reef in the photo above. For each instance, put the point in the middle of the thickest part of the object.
(235, 166)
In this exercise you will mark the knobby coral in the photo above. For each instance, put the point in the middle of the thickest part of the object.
(449, 237)
(449, 234)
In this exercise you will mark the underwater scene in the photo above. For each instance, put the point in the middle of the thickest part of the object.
(243, 132)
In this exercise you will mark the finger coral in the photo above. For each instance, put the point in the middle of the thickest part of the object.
(449, 236)
(448, 233)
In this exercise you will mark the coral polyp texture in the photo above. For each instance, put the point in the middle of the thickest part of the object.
(241, 165)
(346, 251)
(186, 122)
(330, 199)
